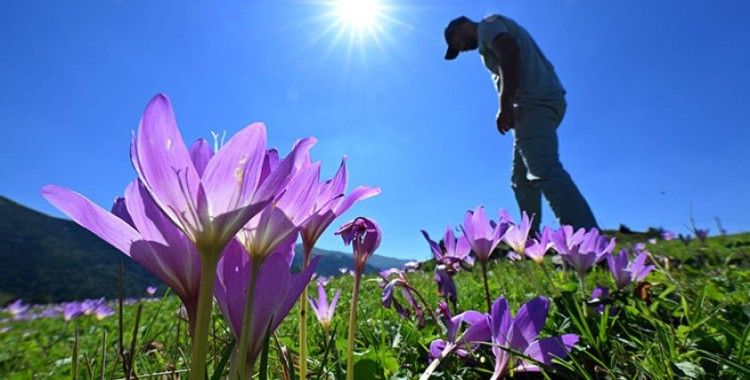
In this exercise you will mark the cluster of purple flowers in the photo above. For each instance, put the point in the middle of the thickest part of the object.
(98, 308)
(220, 223)
(514, 340)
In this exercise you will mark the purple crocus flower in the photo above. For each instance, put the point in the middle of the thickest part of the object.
(151, 290)
(520, 334)
(330, 203)
(283, 220)
(17, 309)
(581, 249)
(322, 309)
(455, 252)
(103, 311)
(440, 348)
(666, 235)
(364, 236)
(389, 300)
(277, 289)
(152, 240)
(517, 234)
(482, 234)
(71, 310)
(538, 247)
(625, 272)
(208, 196)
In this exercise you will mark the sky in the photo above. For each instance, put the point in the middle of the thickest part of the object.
(655, 132)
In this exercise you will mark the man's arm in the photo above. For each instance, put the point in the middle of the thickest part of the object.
(504, 47)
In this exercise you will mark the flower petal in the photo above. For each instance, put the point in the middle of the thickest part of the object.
(103, 224)
(544, 350)
(163, 162)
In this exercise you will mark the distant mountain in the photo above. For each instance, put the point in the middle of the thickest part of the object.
(47, 259)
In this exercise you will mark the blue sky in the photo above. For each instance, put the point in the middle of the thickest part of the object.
(656, 121)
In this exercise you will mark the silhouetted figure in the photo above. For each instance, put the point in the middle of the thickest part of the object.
(532, 103)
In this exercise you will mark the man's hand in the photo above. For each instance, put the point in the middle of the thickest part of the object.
(505, 120)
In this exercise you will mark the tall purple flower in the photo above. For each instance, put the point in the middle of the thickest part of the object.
(538, 247)
(283, 220)
(455, 252)
(364, 236)
(390, 279)
(517, 234)
(71, 310)
(276, 292)
(208, 196)
(581, 249)
(322, 309)
(520, 334)
(330, 203)
(482, 234)
(625, 272)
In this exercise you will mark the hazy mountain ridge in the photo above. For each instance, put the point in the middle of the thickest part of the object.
(48, 259)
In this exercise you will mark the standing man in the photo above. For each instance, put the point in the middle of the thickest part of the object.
(532, 104)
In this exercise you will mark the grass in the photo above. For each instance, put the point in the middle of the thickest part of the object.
(695, 324)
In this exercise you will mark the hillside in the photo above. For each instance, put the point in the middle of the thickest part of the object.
(47, 259)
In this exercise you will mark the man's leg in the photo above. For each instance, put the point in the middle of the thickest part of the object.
(536, 141)
(528, 194)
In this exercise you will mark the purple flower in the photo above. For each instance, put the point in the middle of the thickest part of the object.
(539, 246)
(282, 221)
(517, 234)
(71, 310)
(277, 289)
(389, 300)
(152, 240)
(482, 234)
(666, 235)
(520, 334)
(581, 249)
(103, 311)
(625, 272)
(208, 196)
(322, 309)
(151, 290)
(17, 309)
(330, 203)
(364, 236)
(411, 266)
(454, 254)
(439, 348)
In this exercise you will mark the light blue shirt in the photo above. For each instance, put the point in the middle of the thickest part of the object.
(537, 79)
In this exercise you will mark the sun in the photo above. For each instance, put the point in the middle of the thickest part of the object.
(359, 15)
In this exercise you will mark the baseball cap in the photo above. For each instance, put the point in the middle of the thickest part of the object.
(452, 53)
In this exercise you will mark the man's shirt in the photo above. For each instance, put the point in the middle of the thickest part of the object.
(537, 78)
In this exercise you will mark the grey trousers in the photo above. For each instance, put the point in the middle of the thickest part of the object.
(537, 169)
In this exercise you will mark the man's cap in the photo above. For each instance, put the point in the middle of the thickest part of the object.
(452, 53)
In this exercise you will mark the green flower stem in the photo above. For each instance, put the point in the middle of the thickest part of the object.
(203, 318)
(486, 287)
(352, 323)
(303, 321)
(582, 289)
(247, 316)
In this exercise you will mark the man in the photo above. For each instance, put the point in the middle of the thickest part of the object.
(532, 104)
